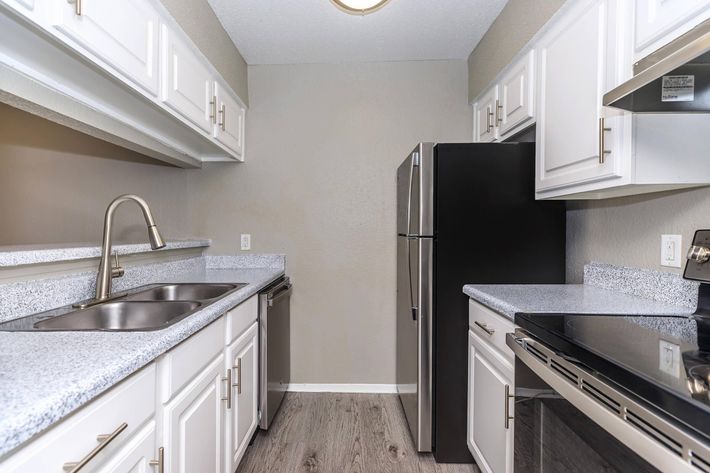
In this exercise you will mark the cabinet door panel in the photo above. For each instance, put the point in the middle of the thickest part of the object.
(187, 82)
(490, 440)
(517, 95)
(193, 424)
(243, 417)
(660, 21)
(568, 127)
(230, 120)
(484, 117)
(123, 34)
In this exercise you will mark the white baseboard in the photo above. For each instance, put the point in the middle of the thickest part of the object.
(343, 388)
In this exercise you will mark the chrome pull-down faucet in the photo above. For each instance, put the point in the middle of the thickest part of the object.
(106, 271)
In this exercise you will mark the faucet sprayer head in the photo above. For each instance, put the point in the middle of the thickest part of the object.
(156, 241)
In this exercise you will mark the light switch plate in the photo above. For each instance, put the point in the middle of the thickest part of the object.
(669, 358)
(246, 241)
(671, 250)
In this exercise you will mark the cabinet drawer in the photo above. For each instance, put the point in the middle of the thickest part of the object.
(241, 317)
(131, 402)
(180, 365)
(490, 326)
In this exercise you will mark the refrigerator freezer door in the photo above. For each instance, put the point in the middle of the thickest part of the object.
(415, 192)
(414, 336)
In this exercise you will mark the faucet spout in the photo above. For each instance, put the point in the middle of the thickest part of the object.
(106, 273)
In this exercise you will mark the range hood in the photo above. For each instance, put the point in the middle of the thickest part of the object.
(674, 79)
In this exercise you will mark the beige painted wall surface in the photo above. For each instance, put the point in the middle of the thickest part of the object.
(201, 24)
(55, 184)
(627, 231)
(514, 27)
(323, 144)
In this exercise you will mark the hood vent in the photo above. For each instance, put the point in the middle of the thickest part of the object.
(674, 79)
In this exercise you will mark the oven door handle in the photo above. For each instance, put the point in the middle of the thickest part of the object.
(636, 426)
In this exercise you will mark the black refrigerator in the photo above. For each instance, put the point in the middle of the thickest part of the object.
(466, 214)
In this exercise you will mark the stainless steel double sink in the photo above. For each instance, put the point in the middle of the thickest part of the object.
(147, 308)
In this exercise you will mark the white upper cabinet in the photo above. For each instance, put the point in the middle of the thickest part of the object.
(229, 129)
(517, 96)
(484, 112)
(187, 82)
(123, 34)
(122, 71)
(660, 21)
(571, 83)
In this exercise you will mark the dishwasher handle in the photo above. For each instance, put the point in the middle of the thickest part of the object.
(278, 292)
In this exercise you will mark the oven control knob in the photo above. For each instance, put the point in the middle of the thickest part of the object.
(699, 254)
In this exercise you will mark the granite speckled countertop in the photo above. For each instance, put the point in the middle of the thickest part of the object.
(567, 298)
(76, 367)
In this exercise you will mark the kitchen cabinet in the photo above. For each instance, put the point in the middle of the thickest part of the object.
(484, 112)
(137, 456)
(123, 34)
(123, 72)
(490, 390)
(658, 22)
(242, 418)
(194, 422)
(571, 129)
(229, 126)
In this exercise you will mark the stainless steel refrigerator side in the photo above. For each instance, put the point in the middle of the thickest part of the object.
(414, 292)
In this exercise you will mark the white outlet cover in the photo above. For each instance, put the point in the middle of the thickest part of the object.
(672, 250)
(245, 241)
(669, 358)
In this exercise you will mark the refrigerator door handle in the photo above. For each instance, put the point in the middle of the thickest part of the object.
(415, 163)
(411, 285)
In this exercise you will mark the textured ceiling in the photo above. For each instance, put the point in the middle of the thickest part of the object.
(315, 31)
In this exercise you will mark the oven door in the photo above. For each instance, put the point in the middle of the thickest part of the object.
(567, 419)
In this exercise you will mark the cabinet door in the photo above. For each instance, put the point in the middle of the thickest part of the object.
(136, 455)
(230, 120)
(569, 111)
(187, 82)
(660, 21)
(484, 117)
(193, 423)
(517, 96)
(243, 355)
(490, 434)
(123, 34)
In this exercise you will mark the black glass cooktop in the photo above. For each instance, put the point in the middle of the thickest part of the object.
(670, 373)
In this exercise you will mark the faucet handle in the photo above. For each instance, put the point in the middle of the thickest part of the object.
(117, 271)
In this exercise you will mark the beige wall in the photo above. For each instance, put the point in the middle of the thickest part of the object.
(514, 27)
(199, 21)
(55, 184)
(323, 143)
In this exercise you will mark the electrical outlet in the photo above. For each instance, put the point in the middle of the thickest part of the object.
(246, 241)
(669, 358)
(671, 250)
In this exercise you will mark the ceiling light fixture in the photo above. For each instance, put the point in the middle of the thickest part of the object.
(359, 7)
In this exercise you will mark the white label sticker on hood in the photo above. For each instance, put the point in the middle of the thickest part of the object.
(678, 89)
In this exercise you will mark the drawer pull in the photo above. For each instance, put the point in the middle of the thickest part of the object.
(228, 379)
(508, 417)
(104, 440)
(485, 328)
(160, 462)
(238, 384)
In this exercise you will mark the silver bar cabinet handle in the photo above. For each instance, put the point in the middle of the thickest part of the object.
(228, 379)
(238, 384)
(489, 125)
(104, 440)
(160, 462)
(213, 109)
(499, 107)
(602, 152)
(485, 328)
(508, 417)
(223, 114)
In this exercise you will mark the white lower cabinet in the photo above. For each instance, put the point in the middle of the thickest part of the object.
(242, 418)
(490, 391)
(193, 423)
(194, 410)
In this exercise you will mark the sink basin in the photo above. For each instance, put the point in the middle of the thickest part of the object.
(184, 292)
(123, 315)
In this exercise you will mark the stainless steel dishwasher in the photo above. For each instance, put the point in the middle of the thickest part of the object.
(275, 342)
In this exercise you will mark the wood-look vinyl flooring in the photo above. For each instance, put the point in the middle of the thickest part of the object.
(334, 433)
